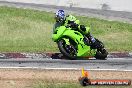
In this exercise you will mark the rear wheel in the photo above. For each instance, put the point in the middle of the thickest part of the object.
(101, 51)
(68, 50)
(101, 54)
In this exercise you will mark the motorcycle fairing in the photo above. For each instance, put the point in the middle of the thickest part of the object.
(83, 50)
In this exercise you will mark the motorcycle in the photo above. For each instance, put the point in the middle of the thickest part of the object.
(74, 45)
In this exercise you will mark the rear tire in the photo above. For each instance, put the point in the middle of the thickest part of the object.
(102, 55)
(102, 52)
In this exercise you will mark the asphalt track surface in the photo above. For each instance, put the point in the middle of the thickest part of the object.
(117, 64)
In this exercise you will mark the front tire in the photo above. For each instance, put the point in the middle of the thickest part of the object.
(63, 49)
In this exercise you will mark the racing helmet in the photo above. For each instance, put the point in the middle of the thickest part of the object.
(60, 16)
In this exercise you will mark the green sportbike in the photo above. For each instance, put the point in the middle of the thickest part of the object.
(73, 44)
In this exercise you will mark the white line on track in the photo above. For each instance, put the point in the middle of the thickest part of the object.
(64, 69)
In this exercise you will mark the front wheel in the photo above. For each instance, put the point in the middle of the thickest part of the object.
(67, 50)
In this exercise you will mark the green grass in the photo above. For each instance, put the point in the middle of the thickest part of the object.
(23, 30)
(72, 85)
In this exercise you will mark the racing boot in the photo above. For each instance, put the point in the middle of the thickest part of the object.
(95, 44)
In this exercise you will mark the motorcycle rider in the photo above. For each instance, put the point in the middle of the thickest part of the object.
(72, 22)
